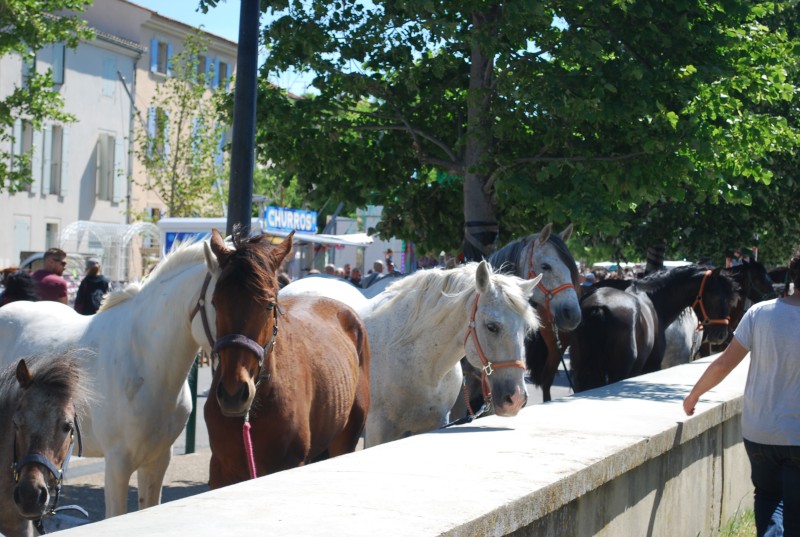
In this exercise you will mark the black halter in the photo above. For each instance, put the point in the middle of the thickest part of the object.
(58, 474)
(242, 341)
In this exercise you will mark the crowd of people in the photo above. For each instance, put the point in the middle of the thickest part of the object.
(48, 283)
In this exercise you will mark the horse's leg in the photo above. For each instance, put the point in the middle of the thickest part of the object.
(119, 469)
(150, 477)
(551, 362)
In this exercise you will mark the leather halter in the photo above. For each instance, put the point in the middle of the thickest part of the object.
(58, 473)
(488, 367)
(201, 308)
(244, 342)
(699, 301)
(548, 293)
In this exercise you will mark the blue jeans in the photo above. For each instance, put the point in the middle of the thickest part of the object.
(775, 472)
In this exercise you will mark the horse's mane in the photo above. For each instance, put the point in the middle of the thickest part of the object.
(187, 252)
(436, 293)
(508, 256)
(661, 279)
(59, 375)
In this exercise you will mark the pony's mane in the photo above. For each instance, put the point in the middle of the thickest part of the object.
(661, 279)
(249, 266)
(187, 252)
(435, 294)
(507, 257)
(58, 375)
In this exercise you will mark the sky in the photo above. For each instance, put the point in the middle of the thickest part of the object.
(223, 21)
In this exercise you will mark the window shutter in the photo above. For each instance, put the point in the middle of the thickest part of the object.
(207, 81)
(119, 172)
(98, 159)
(47, 160)
(154, 55)
(58, 63)
(166, 134)
(17, 148)
(64, 161)
(109, 74)
(151, 131)
(215, 79)
(169, 59)
(36, 161)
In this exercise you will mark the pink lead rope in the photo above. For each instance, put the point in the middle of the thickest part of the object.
(248, 446)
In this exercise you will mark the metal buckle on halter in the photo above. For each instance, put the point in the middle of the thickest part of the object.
(487, 369)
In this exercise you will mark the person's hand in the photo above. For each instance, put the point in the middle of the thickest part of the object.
(689, 403)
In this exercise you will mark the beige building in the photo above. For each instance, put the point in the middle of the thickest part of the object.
(86, 171)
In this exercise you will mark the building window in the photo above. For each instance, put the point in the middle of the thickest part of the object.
(105, 166)
(51, 236)
(157, 132)
(160, 57)
(26, 148)
(202, 68)
(221, 76)
(28, 66)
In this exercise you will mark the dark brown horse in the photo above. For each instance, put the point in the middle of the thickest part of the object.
(622, 333)
(292, 384)
(38, 431)
(755, 285)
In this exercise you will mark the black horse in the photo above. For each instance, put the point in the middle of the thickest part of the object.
(622, 331)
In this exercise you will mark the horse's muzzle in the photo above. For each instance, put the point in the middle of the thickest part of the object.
(32, 497)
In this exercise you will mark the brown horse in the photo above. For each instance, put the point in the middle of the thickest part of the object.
(292, 381)
(39, 429)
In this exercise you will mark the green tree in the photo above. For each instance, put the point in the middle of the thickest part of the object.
(471, 112)
(181, 147)
(27, 26)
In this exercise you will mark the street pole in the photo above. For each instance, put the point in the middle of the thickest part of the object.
(240, 193)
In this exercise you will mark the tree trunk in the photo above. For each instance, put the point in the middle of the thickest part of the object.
(480, 219)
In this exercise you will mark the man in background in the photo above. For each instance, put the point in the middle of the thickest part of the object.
(49, 283)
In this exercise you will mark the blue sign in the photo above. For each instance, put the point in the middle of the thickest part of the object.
(173, 238)
(281, 219)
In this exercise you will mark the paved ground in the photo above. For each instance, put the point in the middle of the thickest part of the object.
(187, 474)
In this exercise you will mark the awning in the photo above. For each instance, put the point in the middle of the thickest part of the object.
(350, 239)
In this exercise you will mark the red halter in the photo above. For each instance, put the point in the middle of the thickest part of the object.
(548, 294)
(488, 367)
(699, 301)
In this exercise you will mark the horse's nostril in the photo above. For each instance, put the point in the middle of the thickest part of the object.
(245, 393)
(43, 496)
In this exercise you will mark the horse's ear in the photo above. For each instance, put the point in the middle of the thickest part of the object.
(567, 233)
(544, 234)
(24, 376)
(280, 252)
(483, 277)
(218, 252)
(529, 286)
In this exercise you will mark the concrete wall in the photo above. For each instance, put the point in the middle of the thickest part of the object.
(620, 460)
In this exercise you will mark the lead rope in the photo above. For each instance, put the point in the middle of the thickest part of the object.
(248, 446)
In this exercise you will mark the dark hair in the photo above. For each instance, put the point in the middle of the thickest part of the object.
(794, 268)
(55, 252)
(19, 286)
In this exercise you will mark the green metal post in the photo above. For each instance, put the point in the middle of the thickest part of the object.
(191, 425)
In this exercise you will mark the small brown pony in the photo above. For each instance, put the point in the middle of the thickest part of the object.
(38, 431)
(292, 384)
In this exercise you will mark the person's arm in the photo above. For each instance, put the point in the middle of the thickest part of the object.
(716, 372)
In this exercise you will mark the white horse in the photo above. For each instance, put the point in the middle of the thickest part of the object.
(137, 352)
(421, 326)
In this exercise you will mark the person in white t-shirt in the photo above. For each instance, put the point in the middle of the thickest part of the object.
(770, 332)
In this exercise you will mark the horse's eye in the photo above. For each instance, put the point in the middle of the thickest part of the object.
(493, 327)
(271, 306)
(67, 427)
(547, 266)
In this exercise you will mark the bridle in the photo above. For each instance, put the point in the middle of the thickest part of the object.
(706, 321)
(200, 307)
(58, 473)
(548, 293)
(488, 367)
